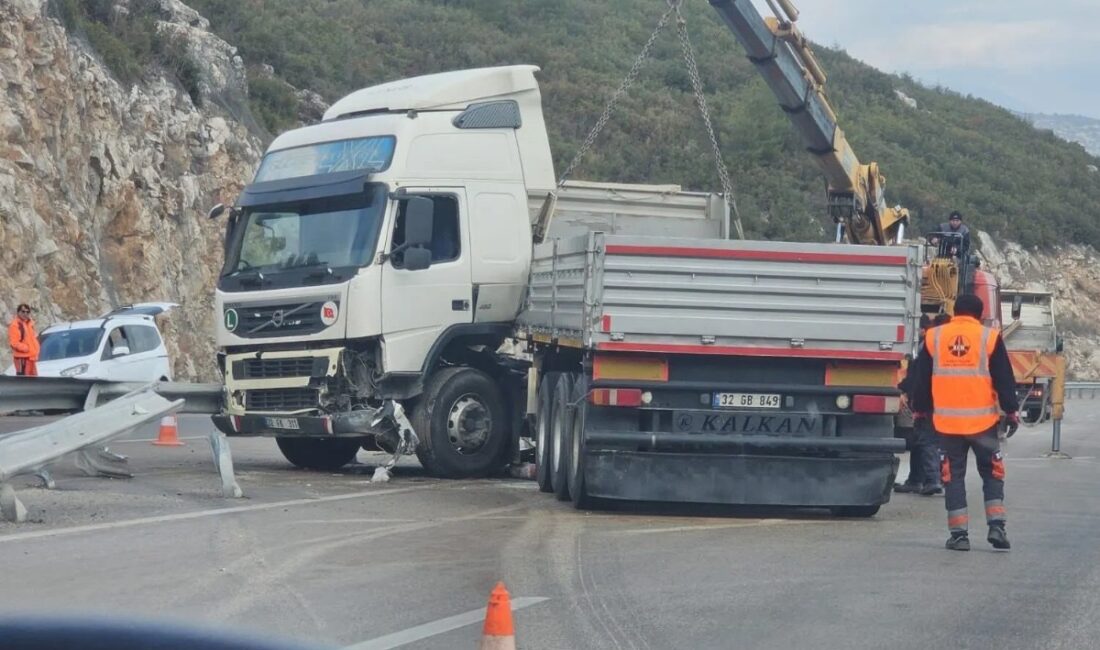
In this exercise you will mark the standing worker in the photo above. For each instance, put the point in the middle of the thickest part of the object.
(924, 475)
(964, 373)
(24, 342)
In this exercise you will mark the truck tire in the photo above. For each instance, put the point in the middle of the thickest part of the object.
(326, 454)
(462, 424)
(855, 511)
(542, 431)
(578, 449)
(561, 440)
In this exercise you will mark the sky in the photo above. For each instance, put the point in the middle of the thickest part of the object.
(1026, 55)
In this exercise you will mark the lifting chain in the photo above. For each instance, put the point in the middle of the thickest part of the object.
(700, 100)
(625, 85)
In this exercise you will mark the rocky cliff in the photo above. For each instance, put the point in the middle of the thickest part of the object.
(1072, 272)
(104, 187)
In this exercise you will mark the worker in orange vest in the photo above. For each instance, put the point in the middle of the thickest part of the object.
(24, 342)
(965, 374)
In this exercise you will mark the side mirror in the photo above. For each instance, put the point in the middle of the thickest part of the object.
(216, 211)
(1017, 307)
(1059, 344)
(419, 218)
(417, 259)
(119, 351)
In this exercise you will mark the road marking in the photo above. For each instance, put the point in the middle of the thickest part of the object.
(115, 442)
(213, 512)
(427, 630)
(1010, 459)
(739, 524)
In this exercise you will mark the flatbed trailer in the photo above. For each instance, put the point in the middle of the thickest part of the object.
(734, 372)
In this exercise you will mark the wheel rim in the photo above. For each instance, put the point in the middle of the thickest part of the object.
(469, 424)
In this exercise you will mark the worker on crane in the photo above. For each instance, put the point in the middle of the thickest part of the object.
(963, 373)
(955, 225)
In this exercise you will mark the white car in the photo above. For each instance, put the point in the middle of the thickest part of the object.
(122, 345)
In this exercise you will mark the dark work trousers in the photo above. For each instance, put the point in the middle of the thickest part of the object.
(924, 455)
(987, 453)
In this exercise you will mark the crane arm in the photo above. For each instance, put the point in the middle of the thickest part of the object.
(783, 57)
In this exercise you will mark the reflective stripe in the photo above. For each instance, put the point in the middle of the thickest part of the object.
(962, 413)
(958, 519)
(995, 510)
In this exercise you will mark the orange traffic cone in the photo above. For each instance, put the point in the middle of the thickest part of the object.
(498, 633)
(168, 436)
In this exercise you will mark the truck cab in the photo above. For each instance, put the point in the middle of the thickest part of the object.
(369, 249)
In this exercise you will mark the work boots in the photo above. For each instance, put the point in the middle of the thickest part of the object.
(998, 538)
(928, 489)
(958, 542)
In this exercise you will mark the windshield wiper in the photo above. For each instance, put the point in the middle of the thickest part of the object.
(319, 274)
(255, 279)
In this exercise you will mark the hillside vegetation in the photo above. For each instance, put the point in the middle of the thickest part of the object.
(948, 152)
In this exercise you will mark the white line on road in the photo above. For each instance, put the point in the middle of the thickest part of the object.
(705, 527)
(420, 632)
(115, 442)
(213, 512)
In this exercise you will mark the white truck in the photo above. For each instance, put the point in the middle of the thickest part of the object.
(380, 258)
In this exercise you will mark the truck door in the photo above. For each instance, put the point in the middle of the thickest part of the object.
(418, 306)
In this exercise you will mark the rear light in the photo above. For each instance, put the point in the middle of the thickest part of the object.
(616, 397)
(1037, 392)
(875, 404)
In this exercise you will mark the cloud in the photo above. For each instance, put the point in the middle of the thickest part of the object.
(1020, 45)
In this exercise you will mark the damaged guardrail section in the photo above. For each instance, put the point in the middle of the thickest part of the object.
(32, 451)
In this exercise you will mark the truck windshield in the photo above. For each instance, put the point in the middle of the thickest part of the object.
(331, 232)
(70, 343)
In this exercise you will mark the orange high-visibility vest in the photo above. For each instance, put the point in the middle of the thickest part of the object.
(964, 401)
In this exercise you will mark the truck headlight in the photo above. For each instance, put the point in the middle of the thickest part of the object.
(75, 370)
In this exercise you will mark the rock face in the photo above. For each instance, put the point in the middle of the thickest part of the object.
(104, 188)
(1072, 272)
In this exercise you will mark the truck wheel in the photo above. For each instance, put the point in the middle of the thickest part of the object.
(462, 424)
(561, 440)
(542, 431)
(855, 511)
(326, 454)
(577, 489)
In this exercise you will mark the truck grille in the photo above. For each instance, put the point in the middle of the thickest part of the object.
(281, 399)
(277, 368)
(282, 319)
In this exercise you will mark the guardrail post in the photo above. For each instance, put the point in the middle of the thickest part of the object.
(11, 508)
(223, 460)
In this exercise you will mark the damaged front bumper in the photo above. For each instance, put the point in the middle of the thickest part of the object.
(353, 425)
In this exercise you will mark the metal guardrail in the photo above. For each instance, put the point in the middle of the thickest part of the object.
(1082, 389)
(102, 411)
(32, 451)
(70, 394)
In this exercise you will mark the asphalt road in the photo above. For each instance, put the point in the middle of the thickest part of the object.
(334, 560)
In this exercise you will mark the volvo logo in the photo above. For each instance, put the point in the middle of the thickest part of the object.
(277, 318)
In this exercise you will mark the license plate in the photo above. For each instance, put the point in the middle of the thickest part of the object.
(282, 423)
(746, 401)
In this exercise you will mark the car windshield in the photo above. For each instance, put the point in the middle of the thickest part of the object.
(333, 231)
(70, 343)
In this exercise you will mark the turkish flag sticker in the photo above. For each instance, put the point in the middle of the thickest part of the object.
(329, 312)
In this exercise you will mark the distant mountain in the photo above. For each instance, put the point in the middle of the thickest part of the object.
(1075, 128)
